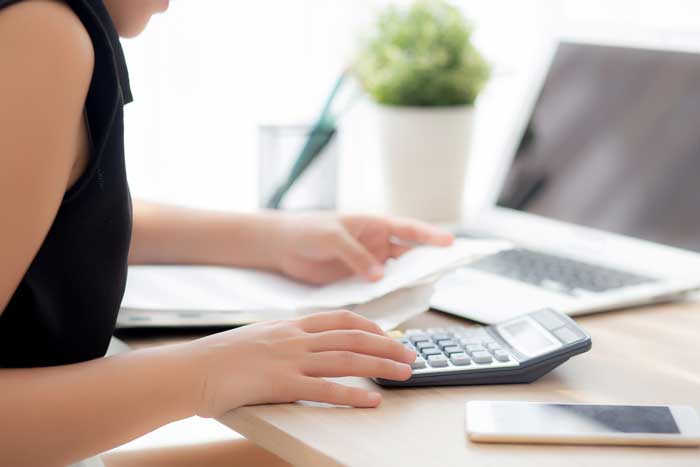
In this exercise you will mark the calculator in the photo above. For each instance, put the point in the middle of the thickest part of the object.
(519, 350)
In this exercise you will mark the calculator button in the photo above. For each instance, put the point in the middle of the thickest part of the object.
(436, 330)
(460, 359)
(463, 335)
(475, 348)
(449, 350)
(440, 337)
(482, 357)
(501, 356)
(493, 346)
(470, 341)
(418, 338)
(566, 335)
(437, 360)
(418, 364)
(446, 343)
(431, 351)
(424, 345)
(549, 319)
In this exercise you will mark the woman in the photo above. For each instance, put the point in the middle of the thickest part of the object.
(69, 231)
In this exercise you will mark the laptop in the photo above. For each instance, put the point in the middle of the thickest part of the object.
(601, 193)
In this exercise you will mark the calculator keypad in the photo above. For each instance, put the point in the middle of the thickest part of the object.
(519, 350)
(459, 348)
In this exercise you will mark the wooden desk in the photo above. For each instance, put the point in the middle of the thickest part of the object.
(646, 356)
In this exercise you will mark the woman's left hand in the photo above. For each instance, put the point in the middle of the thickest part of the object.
(323, 248)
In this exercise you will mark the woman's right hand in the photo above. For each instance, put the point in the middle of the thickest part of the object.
(286, 361)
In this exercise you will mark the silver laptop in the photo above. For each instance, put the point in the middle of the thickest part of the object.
(601, 196)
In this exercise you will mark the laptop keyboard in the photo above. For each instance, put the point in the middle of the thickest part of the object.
(556, 273)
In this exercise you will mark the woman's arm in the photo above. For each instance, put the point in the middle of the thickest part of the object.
(59, 415)
(314, 247)
(166, 234)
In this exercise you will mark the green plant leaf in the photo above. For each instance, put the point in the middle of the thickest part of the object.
(421, 56)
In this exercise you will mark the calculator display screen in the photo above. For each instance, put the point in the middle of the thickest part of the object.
(528, 338)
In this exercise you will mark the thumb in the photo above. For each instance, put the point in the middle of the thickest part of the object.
(358, 258)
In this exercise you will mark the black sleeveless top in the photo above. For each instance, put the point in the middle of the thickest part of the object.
(66, 305)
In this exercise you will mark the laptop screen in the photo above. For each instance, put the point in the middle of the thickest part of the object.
(613, 143)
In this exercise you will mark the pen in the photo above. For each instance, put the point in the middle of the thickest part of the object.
(320, 136)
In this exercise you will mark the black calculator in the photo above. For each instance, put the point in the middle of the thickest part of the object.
(519, 350)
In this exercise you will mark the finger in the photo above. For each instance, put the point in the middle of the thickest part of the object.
(320, 390)
(322, 273)
(398, 250)
(339, 319)
(415, 231)
(364, 343)
(336, 363)
(358, 258)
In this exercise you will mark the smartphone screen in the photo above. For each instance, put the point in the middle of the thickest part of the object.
(509, 421)
(579, 418)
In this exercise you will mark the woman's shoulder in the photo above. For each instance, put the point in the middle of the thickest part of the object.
(47, 31)
(47, 58)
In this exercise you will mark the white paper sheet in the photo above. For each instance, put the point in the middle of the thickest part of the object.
(216, 294)
(396, 307)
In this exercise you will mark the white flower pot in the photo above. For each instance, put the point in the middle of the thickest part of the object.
(424, 154)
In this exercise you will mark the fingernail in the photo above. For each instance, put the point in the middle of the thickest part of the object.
(374, 397)
(376, 272)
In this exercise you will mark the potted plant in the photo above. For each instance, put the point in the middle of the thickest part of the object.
(424, 74)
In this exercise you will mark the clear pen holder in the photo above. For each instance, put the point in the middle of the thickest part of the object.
(279, 147)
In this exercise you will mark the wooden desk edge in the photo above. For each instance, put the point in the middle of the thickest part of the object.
(275, 440)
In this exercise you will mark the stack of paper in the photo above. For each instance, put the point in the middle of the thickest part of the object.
(218, 296)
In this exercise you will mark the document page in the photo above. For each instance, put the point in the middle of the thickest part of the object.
(259, 293)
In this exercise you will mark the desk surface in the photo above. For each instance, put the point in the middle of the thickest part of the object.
(645, 356)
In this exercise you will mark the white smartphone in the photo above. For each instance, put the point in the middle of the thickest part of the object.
(565, 423)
